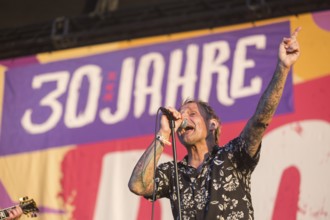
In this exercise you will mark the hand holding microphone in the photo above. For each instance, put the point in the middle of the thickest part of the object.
(172, 114)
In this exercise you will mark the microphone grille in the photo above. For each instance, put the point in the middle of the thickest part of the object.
(184, 124)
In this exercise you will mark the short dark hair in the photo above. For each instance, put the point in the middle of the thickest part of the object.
(209, 114)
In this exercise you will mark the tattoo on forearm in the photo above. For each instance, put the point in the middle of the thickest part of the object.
(266, 108)
(142, 176)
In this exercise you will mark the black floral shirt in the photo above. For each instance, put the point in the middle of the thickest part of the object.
(220, 190)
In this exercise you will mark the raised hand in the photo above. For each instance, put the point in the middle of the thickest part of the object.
(289, 50)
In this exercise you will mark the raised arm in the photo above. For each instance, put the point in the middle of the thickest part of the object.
(142, 178)
(255, 128)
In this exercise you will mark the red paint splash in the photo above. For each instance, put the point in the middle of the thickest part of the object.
(286, 203)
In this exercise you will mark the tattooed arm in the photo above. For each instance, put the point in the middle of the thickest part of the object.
(255, 128)
(142, 178)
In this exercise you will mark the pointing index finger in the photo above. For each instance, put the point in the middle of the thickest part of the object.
(295, 33)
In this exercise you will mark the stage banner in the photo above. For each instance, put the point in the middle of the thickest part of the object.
(75, 122)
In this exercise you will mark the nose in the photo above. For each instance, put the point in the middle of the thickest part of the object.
(184, 115)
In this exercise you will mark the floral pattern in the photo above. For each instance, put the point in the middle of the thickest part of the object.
(220, 190)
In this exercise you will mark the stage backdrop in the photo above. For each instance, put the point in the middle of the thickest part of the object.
(74, 122)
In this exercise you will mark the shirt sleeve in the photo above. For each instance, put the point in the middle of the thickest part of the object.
(239, 150)
(162, 180)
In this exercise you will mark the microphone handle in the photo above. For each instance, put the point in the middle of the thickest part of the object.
(169, 116)
(167, 113)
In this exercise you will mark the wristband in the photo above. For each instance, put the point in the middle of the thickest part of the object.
(162, 140)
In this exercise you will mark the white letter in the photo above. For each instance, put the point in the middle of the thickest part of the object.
(155, 63)
(240, 63)
(61, 78)
(72, 119)
(124, 97)
(214, 55)
(187, 81)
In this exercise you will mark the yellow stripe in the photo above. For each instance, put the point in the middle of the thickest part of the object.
(314, 61)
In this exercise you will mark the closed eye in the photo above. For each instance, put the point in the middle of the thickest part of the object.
(192, 114)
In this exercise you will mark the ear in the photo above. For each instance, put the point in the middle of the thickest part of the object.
(213, 124)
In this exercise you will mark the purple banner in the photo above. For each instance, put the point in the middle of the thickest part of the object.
(116, 95)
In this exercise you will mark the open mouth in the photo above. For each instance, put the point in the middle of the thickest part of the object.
(188, 129)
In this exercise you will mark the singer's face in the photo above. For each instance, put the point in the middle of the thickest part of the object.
(196, 131)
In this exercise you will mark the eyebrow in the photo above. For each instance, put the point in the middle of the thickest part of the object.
(190, 110)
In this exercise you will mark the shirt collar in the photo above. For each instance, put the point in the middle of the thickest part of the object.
(214, 151)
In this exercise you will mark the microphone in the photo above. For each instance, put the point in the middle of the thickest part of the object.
(184, 124)
(169, 115)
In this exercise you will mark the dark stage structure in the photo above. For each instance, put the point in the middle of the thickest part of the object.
(35, 26)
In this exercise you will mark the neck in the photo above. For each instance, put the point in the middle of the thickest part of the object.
(197, 155)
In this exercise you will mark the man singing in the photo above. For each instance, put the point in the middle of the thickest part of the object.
(214, 181)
